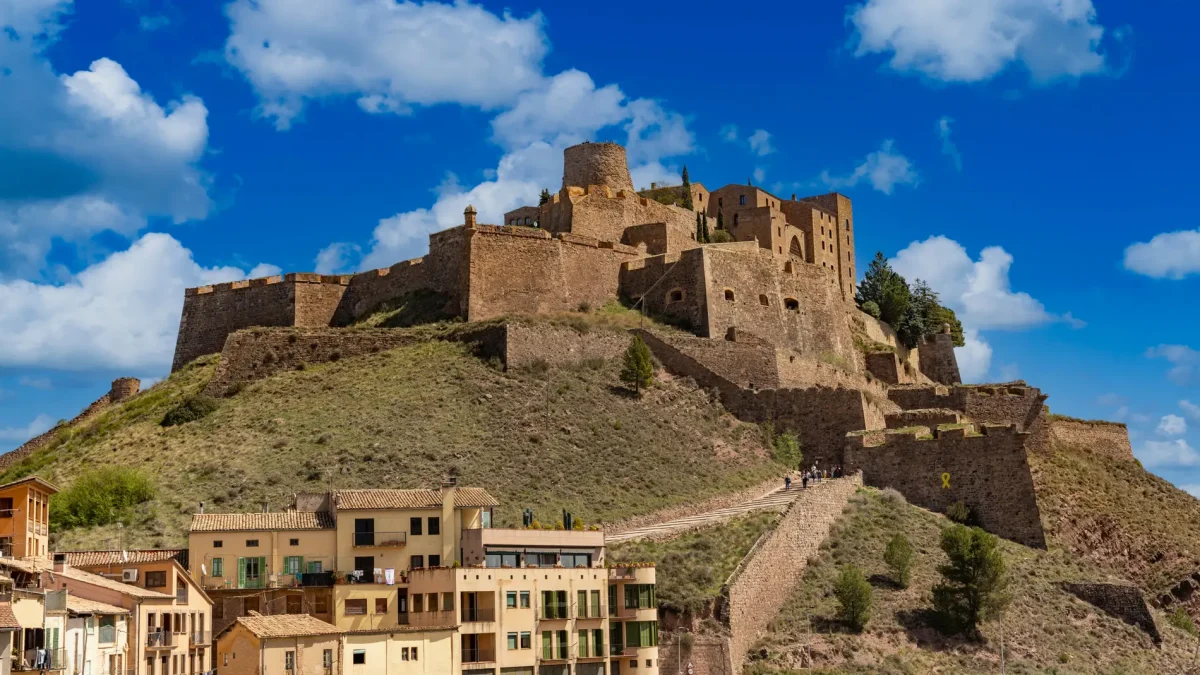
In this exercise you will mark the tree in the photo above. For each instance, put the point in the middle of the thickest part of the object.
(854, 597)
(933, 314)
(639, 367)
(974, 582)
(545, 197)
(687, 190)
(720, 220)
(911, 328)
(699, 229)
(871, 308)
(704, 226)
(898, 556)
(887, 289)
(721, 237)
(785, 449)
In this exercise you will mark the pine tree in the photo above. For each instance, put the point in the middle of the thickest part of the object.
(898, 555)
(854, 597)
(974, 579)
(687, 190)
(704, 225)
(887, 289)
(639, 367)
(545, 197)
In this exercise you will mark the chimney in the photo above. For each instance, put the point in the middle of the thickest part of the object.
(201, 507)
(60, 562)
(469, 216)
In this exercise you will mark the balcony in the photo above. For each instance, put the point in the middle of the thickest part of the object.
(315, 579)
(478, 655)
(55, 660)
(620, 649)
(592, 612)
(478, 614)
(380, 539)
(160, 640)
(554, 612)
(199, 638)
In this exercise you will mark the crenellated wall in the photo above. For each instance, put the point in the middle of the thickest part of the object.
(988, 471)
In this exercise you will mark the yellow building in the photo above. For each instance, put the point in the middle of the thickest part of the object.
(281, 644)
(25, 517)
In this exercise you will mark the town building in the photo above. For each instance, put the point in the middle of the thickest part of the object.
(291, 644)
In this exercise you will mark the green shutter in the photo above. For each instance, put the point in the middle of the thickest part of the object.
(582, 609)
(631, 634)
(583, 641)
(241, 572)
(547, 645)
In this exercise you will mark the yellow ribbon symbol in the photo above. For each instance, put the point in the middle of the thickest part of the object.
(946, 481)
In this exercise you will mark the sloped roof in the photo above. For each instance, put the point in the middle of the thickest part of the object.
(78, 605)
(38, 567)
(464, 497)
(8, 620)
(250, 522)
(129, 557)
(44, 483)
(286, 625)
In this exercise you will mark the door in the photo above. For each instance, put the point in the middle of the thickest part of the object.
(364, 531)
(365, 564)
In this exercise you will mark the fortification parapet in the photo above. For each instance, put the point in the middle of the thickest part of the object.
(123, 388)
(603, 164)
(937, 359)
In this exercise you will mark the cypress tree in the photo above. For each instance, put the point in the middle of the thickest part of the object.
(720, 221)
(704, 227)
(699, 229)
(687, 190)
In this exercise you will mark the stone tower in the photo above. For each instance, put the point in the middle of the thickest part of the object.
(596, 164)
(123, 388)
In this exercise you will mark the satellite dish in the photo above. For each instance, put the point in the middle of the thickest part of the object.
(203, 570)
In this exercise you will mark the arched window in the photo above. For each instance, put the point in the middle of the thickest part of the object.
(762, 300)
(729, 294)
(795, 249)
(791, 304)
(675, 295)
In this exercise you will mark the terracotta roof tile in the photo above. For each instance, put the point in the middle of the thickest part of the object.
(8, 620)
(132, 557)
(80, 605)
(464, 497)
(42, 567)
(286, 625)
(245, 522)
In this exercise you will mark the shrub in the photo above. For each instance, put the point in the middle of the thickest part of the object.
(974, 582)
(898, 556)
(99, 497)
(189, 410)
(854, 597)
(1182, 620)
(720, 237)
(639, 366)
(871, 307)
(786, 449)
(958, 512)
(893, 496)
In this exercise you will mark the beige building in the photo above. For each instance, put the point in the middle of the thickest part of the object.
(280, 645)
(96, 638)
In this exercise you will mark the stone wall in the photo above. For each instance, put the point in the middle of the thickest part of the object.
(937, 360)
(1124, 602)
(122, 389)
(606, 214)
(596, 164)
(989, 472)
(707, 655)
(212, 312)
(927, 417)
(885, 367)
(527, 343)
(766, 577)
(1102, 438)
(669, 286)
(722, 501)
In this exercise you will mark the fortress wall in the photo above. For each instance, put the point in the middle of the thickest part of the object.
(596, 164)
(989, 473)
(442, 270)
(122, 389)
(655, 280)
(1102, 438)
(317, 298)
(748, 364)
(1124, 602)
(937, 359)
(606, 214)
(658, 238)
(708, 655)
(886, 367)
(929, 396)
(210, 313)
(556, 345)
(878, 331)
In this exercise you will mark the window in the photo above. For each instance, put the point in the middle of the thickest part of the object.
(364, 531)
(381, 605)
(598, 642)
(359, 658)
(576, 560)
(512, 641)
(108, 629)
(735, 220)
(414, 653)
(510, 600)
(563, 650)
(526, 640)
(218, 543)
(729, 295)
(524, 599)
(447, 602)
(554, 605)
(416, 562)
(641, 633)
(414, 526)
(502, 559)
(435, 525)
(583, 642)
(293, 542)
(251, 543)
(847, 224)
(791, 304)
(314, 567)
(595, 605)
(320, 603)
(741, 200)
(326, 658)
(581, 603)
(822, 246)
(649, 663)
(156, 579)
(356, 607)
(418, 602)
(822, 231)
(640, 596)
(675, 296)
(435, 560)
(292, 564)
(541, 559)
(762, 300)
(404, 653)
(633, 663)
(289, 660)
(294, 603)
(218, 567)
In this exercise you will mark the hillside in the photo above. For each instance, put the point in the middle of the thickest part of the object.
(546, 438)
(1046, 630)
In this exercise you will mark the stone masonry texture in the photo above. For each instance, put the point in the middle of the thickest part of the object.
(937, 359)
(1124, 602)
(596, 164)
(1103, 438)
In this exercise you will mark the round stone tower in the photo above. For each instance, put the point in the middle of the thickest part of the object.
(123, 388)
(596, 164)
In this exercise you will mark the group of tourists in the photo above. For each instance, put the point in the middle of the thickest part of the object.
(814, 474)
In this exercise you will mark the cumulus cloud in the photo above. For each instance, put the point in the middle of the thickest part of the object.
(388, 56)
(337, 258)
(1185, 362)
(42, 383)
(1170, 255)
(729, 133)
(40, 424)
(86, 152)
(1172, 425)
(971, 41)
(122, 312)
(760, 174)
(979, 291)
(974, 357)
(1190, 409)
(884, 169)
(1176, 453)
(948, 147)
(760, 143)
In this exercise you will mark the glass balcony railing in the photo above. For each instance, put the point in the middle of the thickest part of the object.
(198, 637)
(159, 640)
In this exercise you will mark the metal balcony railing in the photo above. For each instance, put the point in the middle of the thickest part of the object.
(380, 539)
(554, 612)
(198, 637)
(479, 614)
(316, 579)
(478, 655)
(160, 640)
(592, 612)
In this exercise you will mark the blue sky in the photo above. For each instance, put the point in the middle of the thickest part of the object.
(1032, 159)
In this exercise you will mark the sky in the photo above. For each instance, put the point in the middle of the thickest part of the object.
(1032, 160)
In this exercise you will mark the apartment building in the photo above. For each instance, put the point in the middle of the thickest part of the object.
(96, 637)
(25, 518)
(281, 644)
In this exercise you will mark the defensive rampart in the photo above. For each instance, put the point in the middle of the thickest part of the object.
(122, 389)
(937, 360)
(988, 471)
(1102, 438)
(1124, 602)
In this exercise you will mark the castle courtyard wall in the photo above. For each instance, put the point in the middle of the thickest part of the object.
(606, 214)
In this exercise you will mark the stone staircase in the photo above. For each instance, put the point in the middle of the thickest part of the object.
(778, 501)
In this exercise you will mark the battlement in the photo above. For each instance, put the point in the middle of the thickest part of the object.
(596, 164)
(292, 278)
(900, 438)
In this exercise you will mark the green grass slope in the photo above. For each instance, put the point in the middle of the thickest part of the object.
(1046, 630)
(1118, 515)
(559, 438)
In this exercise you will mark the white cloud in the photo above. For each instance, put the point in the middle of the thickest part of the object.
(972, 41)
(337, 258)
(884, 169)
(729, 133)
(153, 23)
(1172, 425)
(1121, 413)
(1176, 453)
(979, 291)
(1170, 255)
(1010, 372)
(122, 312)
(1185, 362)
(948, 147)
(42, 383)
(760, 143)
(389, 56)
(1190, 409)
(760, 174)
(974, 358)
(40, 424)
(567, 104)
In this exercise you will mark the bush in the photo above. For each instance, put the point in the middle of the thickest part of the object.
(958, 512)
(1182, 620)
(720, 237)
(871, 307)
(190, 410)
(898, 556)
(99, 497)
(974, 582)
(893, 496)
(854, 597)
(786, 450)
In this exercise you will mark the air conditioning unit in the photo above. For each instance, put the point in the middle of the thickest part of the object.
(129, 576)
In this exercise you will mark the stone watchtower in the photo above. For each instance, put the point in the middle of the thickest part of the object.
(596, 164)
(123, 388)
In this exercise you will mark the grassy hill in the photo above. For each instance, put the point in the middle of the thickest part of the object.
(546, 439)
(1118, 515)
(1046, 630)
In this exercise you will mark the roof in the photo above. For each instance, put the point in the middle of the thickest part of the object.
(44, 483)
(37, 567)
(78, 605)
(8, 620)
(464, 497)
(286, 625)
(133, 557)
(249, 522)
(400, 629)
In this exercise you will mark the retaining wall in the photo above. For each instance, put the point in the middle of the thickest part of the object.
(1102, 438)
